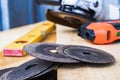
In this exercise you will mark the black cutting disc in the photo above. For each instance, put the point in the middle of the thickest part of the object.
(52, 75)
(67, 19)
(47, 51)
(46, 72)
(86, 54)
(5, 70)
(4, 75)
(29, 69)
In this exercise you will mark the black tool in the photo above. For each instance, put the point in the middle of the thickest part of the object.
(47, 51)
(29, 70)
(86, 54)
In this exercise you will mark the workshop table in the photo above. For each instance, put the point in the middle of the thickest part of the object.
(85, 71)
(65, 35)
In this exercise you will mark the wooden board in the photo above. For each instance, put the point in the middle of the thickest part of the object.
(82, 71)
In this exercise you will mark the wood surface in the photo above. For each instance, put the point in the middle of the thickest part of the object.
(84, 71)
(66, 36)
(8, 36)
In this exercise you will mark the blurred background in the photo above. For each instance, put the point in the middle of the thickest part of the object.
(16, 13)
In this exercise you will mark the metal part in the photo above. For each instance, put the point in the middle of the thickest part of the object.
(30, 69)
(86, 54)
(47, 51)
(89, 8)
(67, 19)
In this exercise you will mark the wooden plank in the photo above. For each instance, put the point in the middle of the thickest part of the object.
(82, 71)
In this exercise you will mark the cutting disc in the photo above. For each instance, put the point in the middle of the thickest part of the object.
(47, 71)
(4, 76)
(47, 51)
(52, 75)
(29, 69)
(47, 74)
(86, 54)
(67, 19)
(5, 70)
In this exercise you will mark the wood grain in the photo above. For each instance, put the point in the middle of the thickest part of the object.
(84, 71)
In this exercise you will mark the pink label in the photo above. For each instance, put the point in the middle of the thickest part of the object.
(7, 52)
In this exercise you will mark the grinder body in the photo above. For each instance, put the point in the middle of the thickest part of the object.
(100, 32)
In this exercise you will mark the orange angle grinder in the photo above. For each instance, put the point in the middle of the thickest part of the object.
(100, 32)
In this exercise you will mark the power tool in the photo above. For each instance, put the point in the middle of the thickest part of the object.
(96, 9)
(102, 32)
(74, 13)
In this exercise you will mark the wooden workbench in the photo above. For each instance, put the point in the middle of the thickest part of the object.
(86, 71)
(69, 71)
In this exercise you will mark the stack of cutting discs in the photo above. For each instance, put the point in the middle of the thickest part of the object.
(68, 53)
(49, 56)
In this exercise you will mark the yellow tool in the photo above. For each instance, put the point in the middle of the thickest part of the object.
(37, 34)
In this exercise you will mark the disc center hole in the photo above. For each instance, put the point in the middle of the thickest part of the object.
(86, 53)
